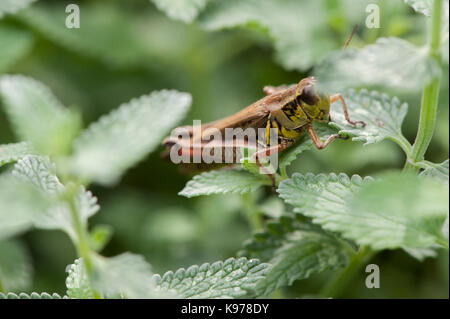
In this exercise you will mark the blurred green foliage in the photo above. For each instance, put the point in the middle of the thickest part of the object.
(127, 48)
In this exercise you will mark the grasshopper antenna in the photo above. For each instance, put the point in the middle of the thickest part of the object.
(350, 37)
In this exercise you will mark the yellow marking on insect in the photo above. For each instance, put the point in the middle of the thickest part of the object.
(268, 130)
(293, 134)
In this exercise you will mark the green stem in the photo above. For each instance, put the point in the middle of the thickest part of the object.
(283, 172)
(336, 286)
(430, 95)
(82, 240)
(404, 145)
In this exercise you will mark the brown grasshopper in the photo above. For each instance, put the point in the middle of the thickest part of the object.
(290, 110)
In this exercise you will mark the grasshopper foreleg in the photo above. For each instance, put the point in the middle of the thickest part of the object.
(337, 97)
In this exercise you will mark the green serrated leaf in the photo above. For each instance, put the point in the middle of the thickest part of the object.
(19, 202)
(421, 6)
(40, 172)
(120, 139)
(382, 114)
(184, 10)
(101, 24)
(12, 6)
(77, 282)
(124, 276)
(15, 266)
(37, 116)
(10, 153)
(33, 295)
(273, 207)
(100, 236)
(389, 62)
(233, 278)
(296, 250)
(289, 25)
(421, 253)
(396, 211)
(14, 44)
(437, 171)
(223, 182)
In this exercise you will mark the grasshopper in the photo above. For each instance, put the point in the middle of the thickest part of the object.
(289, 110)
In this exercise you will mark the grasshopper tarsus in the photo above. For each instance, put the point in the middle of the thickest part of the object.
(339, 97)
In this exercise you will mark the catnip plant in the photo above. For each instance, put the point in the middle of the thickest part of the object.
(327, 221)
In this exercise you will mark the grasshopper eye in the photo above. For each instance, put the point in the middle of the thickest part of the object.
(308, 96)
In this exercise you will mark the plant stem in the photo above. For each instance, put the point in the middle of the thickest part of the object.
(335, 287)
(283, 172)
(430, 95)
(82, 241)
(404, 145)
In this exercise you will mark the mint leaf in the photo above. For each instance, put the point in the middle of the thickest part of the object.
(120, 139)
(101, 24)
(19, 202)
(10, 153)
(389, 62)
(396, 211)
(40, 172)
(12, 6)
(296, 250)
(382, 114)
(123, 276)
(99, 237)
(37, 116)
(14, 44)
(233, 278)
(438, 171)
(223, 182)
(421, 6)
(184, 10)
(289, 25)
(33, 295)
(77, 282)
(15, 266)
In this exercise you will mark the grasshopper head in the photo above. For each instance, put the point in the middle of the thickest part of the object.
(314, 103)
